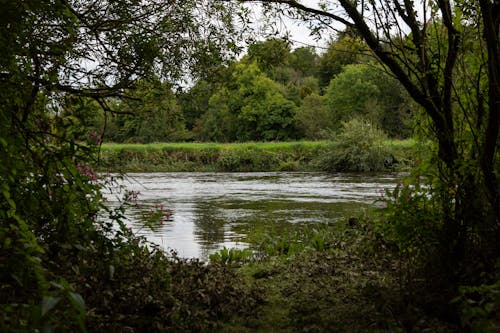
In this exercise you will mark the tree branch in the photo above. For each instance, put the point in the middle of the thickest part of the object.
(296, 5)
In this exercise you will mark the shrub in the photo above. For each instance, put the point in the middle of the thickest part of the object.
(358, 147)
(480, 307)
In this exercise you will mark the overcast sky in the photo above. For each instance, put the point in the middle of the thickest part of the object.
(299, 32)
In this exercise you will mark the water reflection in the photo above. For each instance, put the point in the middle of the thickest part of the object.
(210, 228)
(213, 210)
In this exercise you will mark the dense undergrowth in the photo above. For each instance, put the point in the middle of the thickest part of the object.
(329, 278)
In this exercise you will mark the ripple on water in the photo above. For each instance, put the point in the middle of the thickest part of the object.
(211, 209)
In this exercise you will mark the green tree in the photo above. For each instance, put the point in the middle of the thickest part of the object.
(149, 114)
(218, 123)
(426, 46)
(195, 99)
(304, 60)
(85, 113)
(262, 110)
(313, 119)
(250, 107)
(269, 54)
(366, 90)
(49, 195)
(345, 50)
(194, 102)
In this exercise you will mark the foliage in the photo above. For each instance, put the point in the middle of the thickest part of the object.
(346, 49)
(194, 101)
(174, 295)
(59, 60)
(304, 60)
(366, 90)
(359, 147)
(263, 90)
(446, 55)
(209, 157)
(313, 118)
(269, 54)
(480, 306)
(149, 114)
(231, 256)
(250, 107)
(412, 219)
(339, 276)
(258, 156)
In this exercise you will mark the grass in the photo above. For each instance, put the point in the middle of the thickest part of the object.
(209, 157)
(108, 148)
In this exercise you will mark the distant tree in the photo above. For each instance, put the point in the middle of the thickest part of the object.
(193, 99)
(218, 123)
(346, 49)
(269, 54)
(366, 90)
(85, 114)
(150, 114)
(313, 119)
(194, 102)
(250, 107)
(304, 60)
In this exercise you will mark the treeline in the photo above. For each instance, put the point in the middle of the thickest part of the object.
(272, 93)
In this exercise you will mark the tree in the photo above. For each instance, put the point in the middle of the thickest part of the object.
(346, 49)
(426, 47)
(366, 90)
(304, 60)
(85, 114)
(150, 114)
(53, 51)
(313, 119)
(218, 123)
(194, 102)
(269, 54)
(250, 107)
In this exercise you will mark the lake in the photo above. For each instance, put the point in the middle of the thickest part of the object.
(214, 210)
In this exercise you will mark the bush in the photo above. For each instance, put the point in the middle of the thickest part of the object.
(480, 307)
(359, 147)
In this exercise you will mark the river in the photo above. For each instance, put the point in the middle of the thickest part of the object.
(213, 210)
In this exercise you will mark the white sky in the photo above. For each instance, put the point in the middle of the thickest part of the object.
(299, 31)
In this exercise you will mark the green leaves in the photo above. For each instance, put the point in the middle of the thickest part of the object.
(358, 147)
(77, 301)
(366, 90)
(256, 107)
(48, 303)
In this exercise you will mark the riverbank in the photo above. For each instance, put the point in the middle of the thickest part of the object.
(235, 157)
(337, 277)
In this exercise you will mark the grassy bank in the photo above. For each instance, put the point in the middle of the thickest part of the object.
(251, 156)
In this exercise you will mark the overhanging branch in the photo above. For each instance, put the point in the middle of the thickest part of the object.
(301, 7)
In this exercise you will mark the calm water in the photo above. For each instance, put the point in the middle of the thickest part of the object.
(213, 210)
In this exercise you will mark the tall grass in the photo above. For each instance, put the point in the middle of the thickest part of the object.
(193, 156)
(197, 146)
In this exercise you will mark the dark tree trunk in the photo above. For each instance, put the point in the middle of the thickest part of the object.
(491, 18)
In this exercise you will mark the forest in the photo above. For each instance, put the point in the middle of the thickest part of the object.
(273, 93)
(75, 74)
